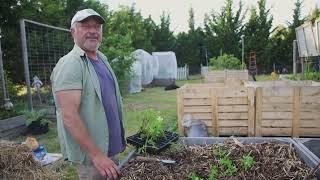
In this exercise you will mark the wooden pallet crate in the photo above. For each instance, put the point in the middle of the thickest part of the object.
(225, 110)
(288, 111)
(221, 76)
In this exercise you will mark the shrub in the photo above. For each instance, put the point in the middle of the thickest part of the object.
(226, 61)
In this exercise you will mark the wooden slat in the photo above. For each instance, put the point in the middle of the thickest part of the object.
(229, 131)
(310, 107)
(197, 93)
(310, 132)
(233, 123)
(277, 100)
(310, 123)
(277, 107)
(258, 112)
(196, 109)
(232, 101)
(310, 91)
(310, 115)
(195, 102)
(180, 111)
(233, 108)
(276, 115)
(276, 123)
(236, 115)
(236, 92)
(251, 112)
(277, 91)
(201, 116)
(311, 99)
(214, 106)
(276, 131)
(296, 112)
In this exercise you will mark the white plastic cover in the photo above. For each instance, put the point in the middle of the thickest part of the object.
(146, 61)
(307, 39)
(155, 66)
(167, 65)
(135, 81)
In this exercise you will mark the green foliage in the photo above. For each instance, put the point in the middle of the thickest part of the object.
(225, 30)
(247, 162)
(4, 114)
(163, 39)
(194, 176)
(257, 32)
(213, 173)
(34, 116)
(229, 167)
(152, 125)
(225, 61)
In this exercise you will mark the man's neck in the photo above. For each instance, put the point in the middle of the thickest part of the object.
(92, 55)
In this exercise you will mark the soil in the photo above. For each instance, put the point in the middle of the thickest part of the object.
(272, 161)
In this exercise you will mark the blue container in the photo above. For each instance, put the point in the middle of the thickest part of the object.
(40, 152)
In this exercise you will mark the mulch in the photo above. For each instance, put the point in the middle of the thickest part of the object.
(273, 160)
(17, 162)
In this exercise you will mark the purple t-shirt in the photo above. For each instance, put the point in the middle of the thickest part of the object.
(110, 104)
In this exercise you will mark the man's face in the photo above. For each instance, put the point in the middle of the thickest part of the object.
(87, 34)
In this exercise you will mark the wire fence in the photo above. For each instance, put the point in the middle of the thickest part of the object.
(42, 46)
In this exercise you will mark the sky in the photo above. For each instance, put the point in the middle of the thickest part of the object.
(281, 10)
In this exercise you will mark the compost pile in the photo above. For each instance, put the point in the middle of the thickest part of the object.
(272, 160)
(16, 162)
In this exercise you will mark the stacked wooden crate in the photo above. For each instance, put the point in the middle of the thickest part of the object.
(221, 76)
(274, 108)
(226, 109)
(288, 111)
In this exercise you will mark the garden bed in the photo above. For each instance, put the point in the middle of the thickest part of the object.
(225, 109)
(206, 158)
(12, 127)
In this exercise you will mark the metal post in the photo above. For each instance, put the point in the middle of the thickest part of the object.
(25, 61)
(242, 41)
(302, 68)
(294, 58)
(2, 73)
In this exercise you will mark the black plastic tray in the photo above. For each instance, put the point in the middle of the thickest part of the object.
(160, 144)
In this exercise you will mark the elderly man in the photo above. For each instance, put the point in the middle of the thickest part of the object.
(88, 101)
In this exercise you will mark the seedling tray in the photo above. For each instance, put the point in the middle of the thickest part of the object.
(160, 144)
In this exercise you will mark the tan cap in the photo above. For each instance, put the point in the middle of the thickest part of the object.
(85, 13)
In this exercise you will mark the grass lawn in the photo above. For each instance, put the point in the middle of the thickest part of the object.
(152, 97)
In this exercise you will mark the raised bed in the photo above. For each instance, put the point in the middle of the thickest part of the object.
(12, 127)
(288, 111)
(283, 165)
(225, 109)
(221, 76)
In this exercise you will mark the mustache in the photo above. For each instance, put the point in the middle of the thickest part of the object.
(92, 36)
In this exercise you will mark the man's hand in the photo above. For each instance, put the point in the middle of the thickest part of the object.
(105, 166)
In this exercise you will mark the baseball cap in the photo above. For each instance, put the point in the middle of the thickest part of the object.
(85, 13)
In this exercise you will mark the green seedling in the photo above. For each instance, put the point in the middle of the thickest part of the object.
(194, 176)
(247, 162)
(213, 173)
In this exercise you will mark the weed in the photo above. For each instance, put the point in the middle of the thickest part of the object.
(247, 162)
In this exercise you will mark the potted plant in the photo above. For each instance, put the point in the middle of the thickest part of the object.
(152, 137)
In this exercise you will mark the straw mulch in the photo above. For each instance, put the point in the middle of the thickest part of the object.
(272, 161)
(16, 162)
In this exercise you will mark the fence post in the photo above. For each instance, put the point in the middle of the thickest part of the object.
(25, 61)
(2, 74)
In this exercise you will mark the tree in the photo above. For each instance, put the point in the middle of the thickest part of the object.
(190, 47)
(225, 29)
(163, 39)
(257, 32)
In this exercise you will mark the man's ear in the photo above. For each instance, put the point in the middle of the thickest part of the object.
(72, 31)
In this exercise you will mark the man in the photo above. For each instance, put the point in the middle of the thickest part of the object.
(88, 101)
